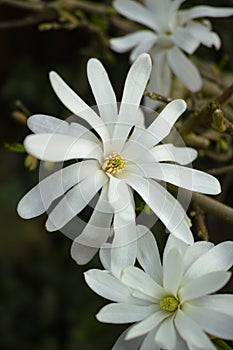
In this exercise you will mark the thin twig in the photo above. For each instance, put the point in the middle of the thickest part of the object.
(220, 171)
(212, 206)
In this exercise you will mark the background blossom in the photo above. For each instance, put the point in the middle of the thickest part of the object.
(172, 35)
(170, 302)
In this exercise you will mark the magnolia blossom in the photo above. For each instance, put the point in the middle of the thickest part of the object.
(171, 31)
(170, 302)
(116, 156)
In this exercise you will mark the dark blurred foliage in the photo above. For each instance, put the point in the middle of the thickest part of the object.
(44, 302)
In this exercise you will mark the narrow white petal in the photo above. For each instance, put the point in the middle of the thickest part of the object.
(148, 254)
(188, 178)
(166, 334)
(204, 35)
(75, 200)
(193, 252)
(219, 258)
(59, 147)
(139, 280)
(203, 285)
(173, 242)
(144, 46)
(149, 342)
(184, 69)
(124, 249)
(104, 96)
(160, 80)
(124, 246)
(136, 12)
(217, 302)
(206, 11)
(213, 322)
(170, 153)
(162, 125)
(95, 233)
(147, 324)
(38, 200)
(123, 344)
(131, 40)
(40, 124)
(191, 332)
(106, 285)
(134, 88)
(105, 258)
(124, 313)
(172, 271)
(185, 40)
(76, 105)
(164, 205)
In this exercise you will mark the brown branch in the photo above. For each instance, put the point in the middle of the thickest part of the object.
(24, 5)
(204, 116)
(221, 170)
(212, 206)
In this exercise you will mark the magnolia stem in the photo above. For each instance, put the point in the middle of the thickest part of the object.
(220, 171)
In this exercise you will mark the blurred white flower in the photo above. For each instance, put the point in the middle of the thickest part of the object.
(171, 302)
(170, 32)
(117, 156)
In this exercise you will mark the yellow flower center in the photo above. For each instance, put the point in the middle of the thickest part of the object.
(169, 304)
(113, 164)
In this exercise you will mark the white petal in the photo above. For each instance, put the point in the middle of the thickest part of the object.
(58, 147)
(204, 35)
(134, 88)
(212, 322)
(191, 332)
(184, 69)
(203, 285)
(219, 258)
(164, 205)
(94, 234)
(188, 178)
(105, 258)
(123, 344)
(160, 80)
(75, 200)
(38, 200)
(124, 246)
(192, 253)
(148, 254)
(144, 46)
(76, 105)
(149, 342)
(124, 313)
(107, 286)
(217, 302)
(166, 334)
(170, 153)
(104, 96)
(139, 280)
(147, 324)
(131, 40)
(136, 12)
(162, 125)
(206, 11)
(172, 271)
(123, 254)
(173, 242)
(185, 40)
(46, 124)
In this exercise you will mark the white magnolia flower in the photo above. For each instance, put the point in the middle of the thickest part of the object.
(171, 31)
(122, 158)
(171, 302)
